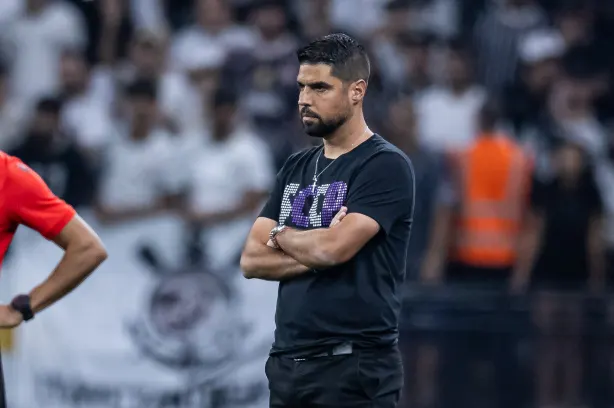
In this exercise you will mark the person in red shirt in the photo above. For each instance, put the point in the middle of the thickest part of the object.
(26, 200)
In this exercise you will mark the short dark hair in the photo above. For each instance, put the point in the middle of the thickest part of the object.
(346, 56)
(410, 40)
(267, 4)
(461, 49)
(225, 98)
(396, 5)
(77, 54)
(49, 105)
(142, 88)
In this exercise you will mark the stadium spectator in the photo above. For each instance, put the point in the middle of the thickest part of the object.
(87, 101)
(475, 243)
(418, 74)
(230, 174)
(387, 44)
(576, 22)
(214, 27)
(201, 74)
(147, 61)
(358, 17)
(55, 156)
(496, 34)
(143, 175)
(37, 39)
(478, 226)
(539, 68)
(315, 19)
(402, 131)
(13, 114)
(565, 252)
(458, 101)
(265, 77)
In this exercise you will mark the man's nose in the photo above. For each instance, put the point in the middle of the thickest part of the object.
(304, 99)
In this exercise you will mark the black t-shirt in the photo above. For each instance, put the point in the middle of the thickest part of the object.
(360, 300)
(563, 257)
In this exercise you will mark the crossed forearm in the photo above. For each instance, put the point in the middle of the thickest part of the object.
(312, 248)
(263, 262)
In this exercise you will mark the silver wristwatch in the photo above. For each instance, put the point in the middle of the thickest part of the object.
(276, 231)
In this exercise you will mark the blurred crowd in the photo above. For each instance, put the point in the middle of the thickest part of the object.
(136, 107)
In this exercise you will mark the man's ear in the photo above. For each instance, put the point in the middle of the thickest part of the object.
(358, 90)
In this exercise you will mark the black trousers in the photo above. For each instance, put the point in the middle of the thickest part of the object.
(365, 378)
(2, 392)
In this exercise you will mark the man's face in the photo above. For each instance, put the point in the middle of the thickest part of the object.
(73, 73)
(324, 101)
(147, 56)
(142, 109)
(401, 118)
(575, 27)
(458, 70)
(212, 14)
(540, 75)
(569, 161)
(35, 4)
(397, 20)
(223, 119)
(44, 125)
(418, 57)
(271, 21)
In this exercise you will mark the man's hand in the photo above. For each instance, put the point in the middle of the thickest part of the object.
(336, 220)
(339, 217)
(9, 317)
(260, 261)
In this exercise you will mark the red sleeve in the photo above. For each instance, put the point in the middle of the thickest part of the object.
(30, 202)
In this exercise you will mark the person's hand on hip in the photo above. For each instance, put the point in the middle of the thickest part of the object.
(9, 317)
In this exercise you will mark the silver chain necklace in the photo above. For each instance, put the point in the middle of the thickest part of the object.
(316, 175)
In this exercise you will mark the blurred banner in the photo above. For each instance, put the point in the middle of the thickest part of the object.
(144, 331)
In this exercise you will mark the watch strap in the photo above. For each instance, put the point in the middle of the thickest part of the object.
(22, 304)
(275, 231)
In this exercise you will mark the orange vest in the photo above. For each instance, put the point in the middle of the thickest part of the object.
(494, 178)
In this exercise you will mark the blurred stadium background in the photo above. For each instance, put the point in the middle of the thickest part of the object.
(164, 122)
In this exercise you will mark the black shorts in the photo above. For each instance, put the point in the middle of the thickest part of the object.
(365, 378)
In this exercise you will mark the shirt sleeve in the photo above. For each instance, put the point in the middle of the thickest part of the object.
(31, 202)
(273, 205)
(383, 190)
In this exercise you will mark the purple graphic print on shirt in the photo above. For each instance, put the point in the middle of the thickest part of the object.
(294, 203)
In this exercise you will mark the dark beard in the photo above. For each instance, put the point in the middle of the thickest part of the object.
(323, 128)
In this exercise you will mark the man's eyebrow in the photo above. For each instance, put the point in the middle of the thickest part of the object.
(317, 84)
